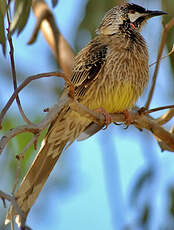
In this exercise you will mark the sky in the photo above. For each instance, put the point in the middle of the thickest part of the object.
(101, 175)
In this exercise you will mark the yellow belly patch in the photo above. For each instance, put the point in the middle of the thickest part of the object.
(118, 99)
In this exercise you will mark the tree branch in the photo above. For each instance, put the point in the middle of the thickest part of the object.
(165, 56)
(60, 47)
(24, 84)
(167, 27)
(12, 200)
(36, 128)
(159, 109)
(139, 120)
(13, 69)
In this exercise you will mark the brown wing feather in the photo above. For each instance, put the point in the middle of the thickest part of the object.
(87, 64)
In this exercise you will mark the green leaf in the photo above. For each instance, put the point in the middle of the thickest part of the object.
(3, 9)
(18, 11)
(171, 204)
(24, 16)
(146, 176)
(54, 2)
(2, 34)
(144, 219)
(17, 144)
(22, 10)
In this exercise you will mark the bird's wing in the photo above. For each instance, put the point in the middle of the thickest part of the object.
(87, 65)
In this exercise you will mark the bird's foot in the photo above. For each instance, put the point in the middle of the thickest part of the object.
(128, 118)
(142, 110)
(108, 118)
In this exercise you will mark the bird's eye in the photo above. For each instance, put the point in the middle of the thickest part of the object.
(131, 11)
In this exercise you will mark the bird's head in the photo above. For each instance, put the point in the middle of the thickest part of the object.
(126, 17)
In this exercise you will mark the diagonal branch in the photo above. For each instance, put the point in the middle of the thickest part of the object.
(37, 128)
(140, 120)
(159, 109)
(164, 35)
(24, 84)
(165, 56)
(13, 69)
(60, 47)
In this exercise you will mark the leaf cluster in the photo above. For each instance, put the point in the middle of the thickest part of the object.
(18, 13)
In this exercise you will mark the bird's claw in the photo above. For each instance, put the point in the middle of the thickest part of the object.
(128, 118)
(108, 118)
(142, 110)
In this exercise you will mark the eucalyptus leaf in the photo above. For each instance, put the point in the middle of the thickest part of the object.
(2, 34)
(145, 216)
(146, 176)
(25, 16)
(54, 2)
(171, 206)
(3, 7)
(22, 10)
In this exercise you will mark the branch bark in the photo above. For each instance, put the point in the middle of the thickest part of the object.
(140, 121)
(60, 47)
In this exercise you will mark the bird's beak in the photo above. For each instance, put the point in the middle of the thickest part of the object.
(153, 13)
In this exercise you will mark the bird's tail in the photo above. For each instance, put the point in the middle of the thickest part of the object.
(64, 130)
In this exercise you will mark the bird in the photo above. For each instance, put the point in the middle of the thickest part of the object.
(109, 74)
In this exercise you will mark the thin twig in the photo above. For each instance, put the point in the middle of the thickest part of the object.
(30, 143)
(162, 44)
(12, 222)
(3, 201)
(25, 83)
(17, 177)
(14, 132)
(167, 55)
(37, 128)
(5, 196)
(19, 157)
(12, 200)
(159, 109)
(13, 69)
